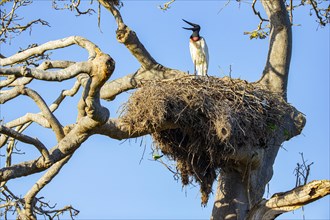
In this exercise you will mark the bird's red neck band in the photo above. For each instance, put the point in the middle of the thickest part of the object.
(195, 38)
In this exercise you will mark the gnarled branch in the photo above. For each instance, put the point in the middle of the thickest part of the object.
(51, 45)
(117, 129)
(41, 183)
(63, 74)
(113, 88)
(291, 200)
(54, 123)
(129, 38)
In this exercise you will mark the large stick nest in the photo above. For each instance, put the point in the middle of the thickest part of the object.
(215, 118)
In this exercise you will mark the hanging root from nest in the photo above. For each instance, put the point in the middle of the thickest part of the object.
(218, 120)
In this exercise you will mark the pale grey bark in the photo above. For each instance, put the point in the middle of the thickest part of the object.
(64, 74)
(117, 129)
(239, 191)
(129, 38)
(51, 45)
(289, 201)
(40, 184)
(29, 140)
(38, 118)
(231, 200)
(52, 120)
(113, 88)
(99, 69)
(242, 185)
(276, 71)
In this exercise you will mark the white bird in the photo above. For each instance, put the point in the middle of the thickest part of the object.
(198, 50)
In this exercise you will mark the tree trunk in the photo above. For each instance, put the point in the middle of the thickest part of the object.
(276, 71)
(231, 200)
(242, 187)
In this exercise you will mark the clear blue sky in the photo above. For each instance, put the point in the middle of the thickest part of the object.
(104, 179)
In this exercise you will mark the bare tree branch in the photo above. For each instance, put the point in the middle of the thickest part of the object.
(113, 88)
(26, 139)
(63, 74)
(65, 147)
(96, 115)
(291, 200)
(129, 38)
(117, 129)
(111, 6)
(10, 94)
(6, 82)
(51, 45)
(9, 20)
(41, 183)
(257, 12)
(47, 64)
(29, 117)
(38, 118)
(302, 171)
(54, 123)
(74, 5)
(24, 27)
(166, 5)
(93, 118)
(317, 12)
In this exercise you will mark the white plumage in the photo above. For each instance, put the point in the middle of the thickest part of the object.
(200, 56)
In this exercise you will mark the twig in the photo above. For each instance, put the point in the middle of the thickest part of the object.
(166, 5)
(41, 183)
(9, 20)
(257, 12)
(225, 5)
(317, 11)
(302, 171)
(26, 139)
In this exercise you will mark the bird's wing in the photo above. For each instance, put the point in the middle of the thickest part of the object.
(193, 51)
(206, 51)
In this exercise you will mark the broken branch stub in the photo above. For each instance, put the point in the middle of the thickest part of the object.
(220, 122)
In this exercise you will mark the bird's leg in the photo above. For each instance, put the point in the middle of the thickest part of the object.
(195, 71)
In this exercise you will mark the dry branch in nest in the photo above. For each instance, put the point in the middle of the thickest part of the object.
(216, 118)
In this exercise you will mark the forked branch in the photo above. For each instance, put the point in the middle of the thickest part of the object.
(41, 183)
(10, 20)
(101, 68)
(29, 140)
(54, 123)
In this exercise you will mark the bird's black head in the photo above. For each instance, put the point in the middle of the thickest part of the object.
(195, 28)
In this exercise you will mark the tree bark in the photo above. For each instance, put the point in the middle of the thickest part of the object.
(242, 181)
(289, 201)
(276, 71)
(241, 188)
(231, 200)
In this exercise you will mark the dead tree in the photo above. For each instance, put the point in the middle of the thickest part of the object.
(246, 122)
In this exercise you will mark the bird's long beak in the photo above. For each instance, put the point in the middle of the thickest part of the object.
(188, 28)
(192, 24)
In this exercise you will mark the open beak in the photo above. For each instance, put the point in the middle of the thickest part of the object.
(192, 24)
(188, 28)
